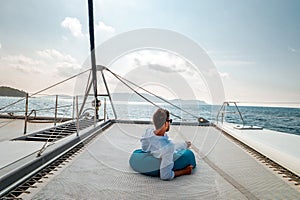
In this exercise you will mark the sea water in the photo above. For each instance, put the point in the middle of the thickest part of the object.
(274, 118)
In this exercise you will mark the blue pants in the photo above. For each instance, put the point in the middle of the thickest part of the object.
(147, 164)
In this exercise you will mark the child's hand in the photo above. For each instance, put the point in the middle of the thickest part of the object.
(188, 144)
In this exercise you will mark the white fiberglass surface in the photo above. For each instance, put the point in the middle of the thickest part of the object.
(224, 170)
(280, 147)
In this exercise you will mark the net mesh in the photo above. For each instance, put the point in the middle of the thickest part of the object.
(224, 170)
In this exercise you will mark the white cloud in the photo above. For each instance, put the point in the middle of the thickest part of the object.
(155, 59)
(63, 64)
(21, 63)
(74, 25)
(291, 49)
(101, 26)
(20, 71)
(49, 61)
(158, 67)
(0, 45)
(52, 54)
(35, 72)
(224, 75)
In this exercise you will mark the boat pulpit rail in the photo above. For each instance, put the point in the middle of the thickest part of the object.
(223, 110)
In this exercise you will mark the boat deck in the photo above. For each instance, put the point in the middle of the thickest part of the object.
(12, 128)
(224, 170)
(280, 147)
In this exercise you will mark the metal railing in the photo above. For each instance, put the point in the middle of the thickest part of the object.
(223, 111)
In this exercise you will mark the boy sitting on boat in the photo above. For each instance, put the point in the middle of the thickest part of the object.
(158, 151)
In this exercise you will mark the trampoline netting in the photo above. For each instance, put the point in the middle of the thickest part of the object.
(224, 170)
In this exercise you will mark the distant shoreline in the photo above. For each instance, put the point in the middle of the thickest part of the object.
(120, 98)
(11, 92)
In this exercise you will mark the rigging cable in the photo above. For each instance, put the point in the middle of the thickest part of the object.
(145, 98)
(122, 79)
(44, 89)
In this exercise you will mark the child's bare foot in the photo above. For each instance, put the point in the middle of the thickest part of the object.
(189, 169)
(185, 171)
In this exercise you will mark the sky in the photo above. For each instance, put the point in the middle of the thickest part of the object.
(254, 44)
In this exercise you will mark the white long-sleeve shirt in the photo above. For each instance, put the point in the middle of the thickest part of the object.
(163, 148)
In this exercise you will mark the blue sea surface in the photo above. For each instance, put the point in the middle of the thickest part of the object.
(43, 106)
(274, 118)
